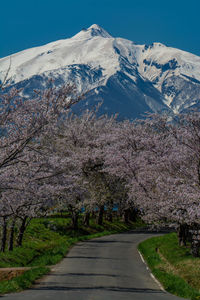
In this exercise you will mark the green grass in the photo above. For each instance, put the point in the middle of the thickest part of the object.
(174, 266)
(23, 281)
(46, 242)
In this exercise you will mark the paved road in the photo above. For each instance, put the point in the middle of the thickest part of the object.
(107, 268)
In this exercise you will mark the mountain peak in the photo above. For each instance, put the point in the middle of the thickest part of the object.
(92, 31)
(95, 27)
(97, 30)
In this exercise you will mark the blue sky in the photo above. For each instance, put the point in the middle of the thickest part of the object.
(28, 23)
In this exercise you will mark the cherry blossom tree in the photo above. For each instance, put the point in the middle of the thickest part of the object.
(22, 162)
(159, 162)
(79, 146)
(51, 158)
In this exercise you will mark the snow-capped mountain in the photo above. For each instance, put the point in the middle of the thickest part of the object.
(129, 78)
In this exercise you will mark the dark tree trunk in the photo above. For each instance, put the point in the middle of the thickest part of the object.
(195, 247)
(133, 214)
(75, 216)
(12, 230)
(120, 212)
(100, 215)
(126, 216)
(86, 220)
(4, 234)
(110, 211)
(21, 232)
(195, 239)
(182, 234)
(110, 216)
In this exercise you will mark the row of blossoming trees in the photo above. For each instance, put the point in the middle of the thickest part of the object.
(50, 158)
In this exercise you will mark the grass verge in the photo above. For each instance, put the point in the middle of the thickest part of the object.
(23, 281)
(46, 242)
(176, 269)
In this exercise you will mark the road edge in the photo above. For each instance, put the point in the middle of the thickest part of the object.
(154, 278)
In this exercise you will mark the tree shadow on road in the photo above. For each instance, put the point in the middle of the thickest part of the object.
(52, 287)
(91, 257)
(86, 275)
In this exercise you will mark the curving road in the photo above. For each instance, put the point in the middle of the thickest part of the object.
(106, 268)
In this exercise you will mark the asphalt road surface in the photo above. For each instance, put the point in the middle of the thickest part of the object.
(106, 268)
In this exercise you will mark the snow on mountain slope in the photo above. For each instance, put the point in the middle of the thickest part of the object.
(129, 78)
(172, 71)
(91, 47)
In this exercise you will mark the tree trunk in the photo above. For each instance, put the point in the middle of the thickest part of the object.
(86, 220)
(4, 234)
(100, 215)
(133, 214)
(182, 234)
(110, 216)
(126, 216)
(110, 211)
(21, 232)
(75, 216)
(195, 247)
(12, 230)
(195, 240)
